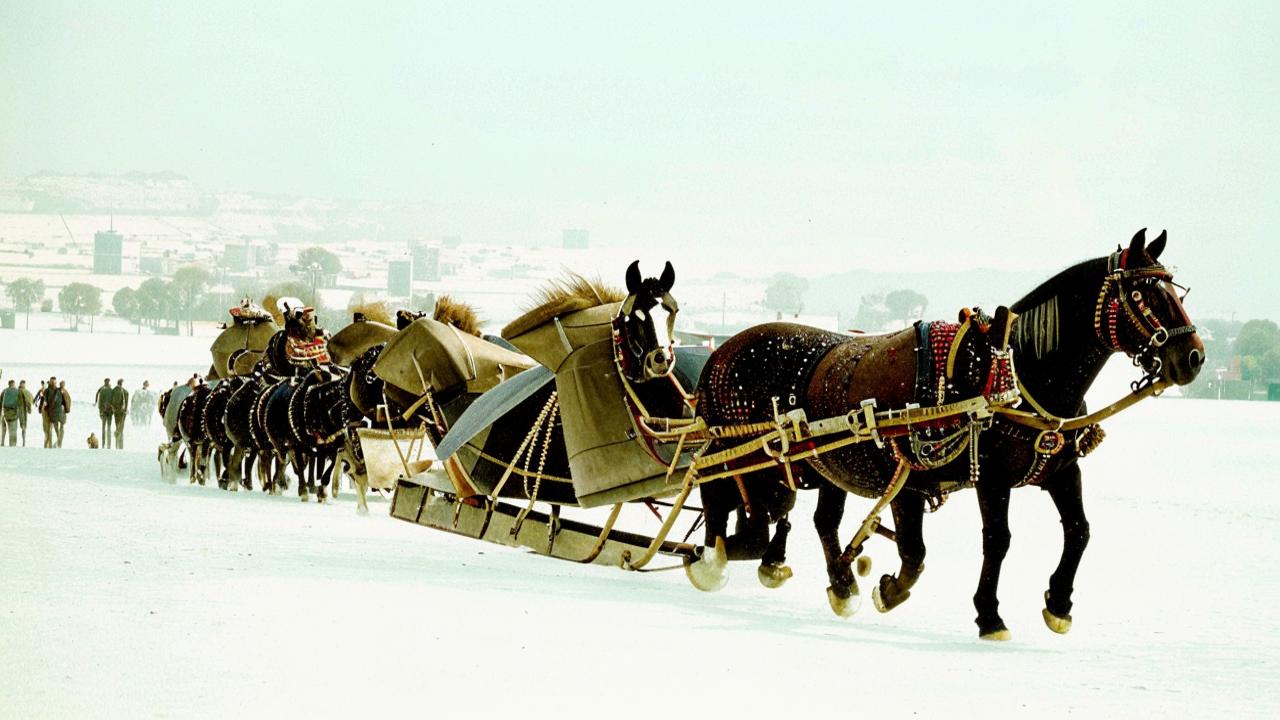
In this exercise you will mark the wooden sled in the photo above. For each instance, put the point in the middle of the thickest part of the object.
(514, 526)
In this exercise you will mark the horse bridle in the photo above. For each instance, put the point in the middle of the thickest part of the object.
(667, 303)
(1115, 297)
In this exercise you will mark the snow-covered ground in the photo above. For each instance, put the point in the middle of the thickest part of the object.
(122, 596)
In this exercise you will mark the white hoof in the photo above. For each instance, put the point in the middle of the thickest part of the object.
(863, 566)
(1002, 635)
(773, 576)
(707, 573)
(362, 510)
(1055, 623)
(844, 607)
(877, 600)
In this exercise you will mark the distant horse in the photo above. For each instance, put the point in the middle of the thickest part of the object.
(420, 377)
(247, 449)
(291, 355)
(213, 428)
(1066, 330)
(192, 429)
(169, 453)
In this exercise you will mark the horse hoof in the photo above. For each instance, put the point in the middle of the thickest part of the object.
(845, 607)
(893, 600)
(863, 566)
(707, 573)
(773, 575)
(362, 511)
(1057, 623)
(1000, 633)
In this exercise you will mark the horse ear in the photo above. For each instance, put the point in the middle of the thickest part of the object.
(1136, 245)
(668, 278)
(633, 277)
(1157, 246)
(1000, 326)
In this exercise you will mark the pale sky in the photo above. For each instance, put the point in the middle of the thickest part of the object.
(1012, 135)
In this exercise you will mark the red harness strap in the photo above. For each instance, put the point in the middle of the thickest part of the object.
(301, 351)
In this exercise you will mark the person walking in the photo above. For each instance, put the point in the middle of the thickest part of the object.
(42, 406)
(10, 402)
(143, 405)
(102, 401)
(119, 408)
(24, 410)
(58, 405)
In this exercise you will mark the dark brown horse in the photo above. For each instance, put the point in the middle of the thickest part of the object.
(782, 367)
(1066, 330)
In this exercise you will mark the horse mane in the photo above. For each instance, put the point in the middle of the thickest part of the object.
(560, 296)
(378, 311)
(269, 302)
(458, 314)
(1036, 329)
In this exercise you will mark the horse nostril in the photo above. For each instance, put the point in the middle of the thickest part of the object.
(1195, 358)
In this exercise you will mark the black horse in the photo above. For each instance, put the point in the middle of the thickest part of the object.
(1066, 330)
(249, 450)
(192, 430)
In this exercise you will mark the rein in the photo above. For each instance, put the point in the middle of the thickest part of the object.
(1042, 419)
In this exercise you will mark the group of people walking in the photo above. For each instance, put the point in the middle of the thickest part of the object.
(113, 405)
(53, 401)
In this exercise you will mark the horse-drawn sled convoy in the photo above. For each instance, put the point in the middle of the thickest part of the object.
(582, 432)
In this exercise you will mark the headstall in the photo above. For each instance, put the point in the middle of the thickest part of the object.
(1114, 297)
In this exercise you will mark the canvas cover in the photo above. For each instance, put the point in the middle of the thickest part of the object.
(607, 459)
(239, 336)
(353, 340)
(444, 358)
(552, 342)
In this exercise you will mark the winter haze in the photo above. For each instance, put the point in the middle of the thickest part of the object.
(824, 139)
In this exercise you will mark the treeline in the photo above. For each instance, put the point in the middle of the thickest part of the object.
(1242, 359)
(173, 305)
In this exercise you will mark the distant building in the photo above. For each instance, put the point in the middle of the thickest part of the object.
(400, 278)
(158, 264)
(426, 262)
(452, 241)
(237, 257)
(108, 251)
(575, 239)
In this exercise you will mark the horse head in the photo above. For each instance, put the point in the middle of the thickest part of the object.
(1140, 313)
(644, 345)
(299, 320)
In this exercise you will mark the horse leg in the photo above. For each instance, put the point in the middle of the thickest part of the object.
(234, 459)
(773, 570)
(277, 466)
(250, 465)
(301, 464)
(220, 466)
(1065, 489)
(842, 594)
(993, 502)
(908, 526)
(322, 477)
(708, 572)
